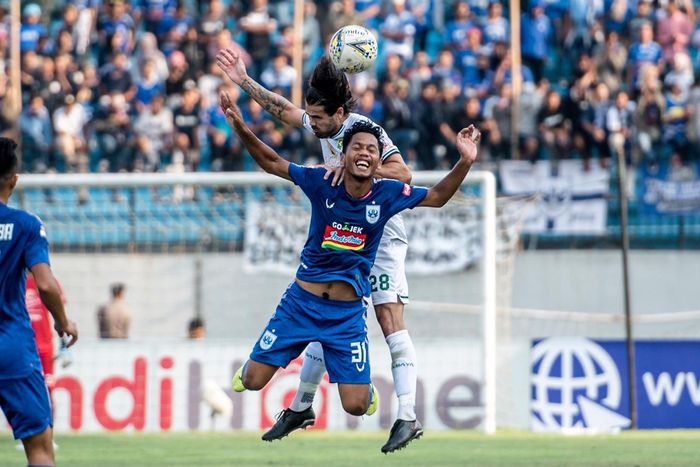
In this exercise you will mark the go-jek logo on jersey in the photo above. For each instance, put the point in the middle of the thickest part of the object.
(344, 237)
(575, 385)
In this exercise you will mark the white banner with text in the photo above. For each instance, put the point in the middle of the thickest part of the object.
(440, 240)
(571, 200)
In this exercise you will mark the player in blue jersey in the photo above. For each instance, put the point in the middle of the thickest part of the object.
(327, 300)
(24, 398)
(328, 115)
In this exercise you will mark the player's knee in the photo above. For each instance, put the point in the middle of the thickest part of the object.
(355, 406)
(252, 382)
(356, 402)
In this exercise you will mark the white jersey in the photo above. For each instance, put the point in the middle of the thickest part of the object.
(332, 149)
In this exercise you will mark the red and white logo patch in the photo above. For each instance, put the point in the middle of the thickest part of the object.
(406, 189)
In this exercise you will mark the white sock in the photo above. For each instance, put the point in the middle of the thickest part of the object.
(403, 368)
(312, 372)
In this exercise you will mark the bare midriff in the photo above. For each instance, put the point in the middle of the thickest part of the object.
(333, 290)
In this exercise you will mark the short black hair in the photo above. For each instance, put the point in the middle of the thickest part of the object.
(363, 126)
(195, 323)
(8, 158)
(329, 87)
(117, 289)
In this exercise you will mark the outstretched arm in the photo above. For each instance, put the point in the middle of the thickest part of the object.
(50, 293)
(232, 65)
(440, 194)
(267, 159)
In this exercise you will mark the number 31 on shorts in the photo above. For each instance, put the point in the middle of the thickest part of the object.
(381, 284)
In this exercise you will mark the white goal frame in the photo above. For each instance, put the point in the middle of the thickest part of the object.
(486, 180)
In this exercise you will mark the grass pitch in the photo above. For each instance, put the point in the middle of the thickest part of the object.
(466, 448)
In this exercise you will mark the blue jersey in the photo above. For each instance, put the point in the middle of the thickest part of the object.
(23, 245)
(344, 232)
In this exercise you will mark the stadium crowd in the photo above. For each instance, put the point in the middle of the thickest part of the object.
(132, 86)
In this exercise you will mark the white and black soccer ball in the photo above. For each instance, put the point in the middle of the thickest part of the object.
(353, 49)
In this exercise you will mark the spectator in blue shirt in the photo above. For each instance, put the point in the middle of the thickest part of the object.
(422, 20)
(645, 15)
(479, 7)
(479, 83)
(149, 86)
(155, 12)
(173, 29)
(675, 120)
(37, 134)
(467, 58)
(456, 30)
(399, 29)
(644, 52)
(370, 108)
(496, 28)
(369, 10)
(279, 75)
(116, 30)
(445, 71)
(32, 31)
(504, 74)
(536, 32)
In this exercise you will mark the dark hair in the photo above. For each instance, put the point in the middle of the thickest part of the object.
(363, 126)
(117, 289)
(8, 158)
(329, 87)
(195, 323)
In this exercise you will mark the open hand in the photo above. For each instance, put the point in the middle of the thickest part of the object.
(231, 63)
(231, 110)
(338, 174)
(467, 142)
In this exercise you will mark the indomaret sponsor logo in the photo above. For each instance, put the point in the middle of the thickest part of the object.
(343, 237)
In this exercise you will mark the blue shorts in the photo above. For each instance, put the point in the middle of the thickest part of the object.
(25, 403)
(302, 317)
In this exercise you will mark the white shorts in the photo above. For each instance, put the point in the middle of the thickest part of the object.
(388, 275)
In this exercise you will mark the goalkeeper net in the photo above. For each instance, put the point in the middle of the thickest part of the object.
(186, 232)
(224, 246)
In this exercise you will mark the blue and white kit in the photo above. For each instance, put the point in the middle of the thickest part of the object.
(388, 275)
(24, 398)
(344, 236)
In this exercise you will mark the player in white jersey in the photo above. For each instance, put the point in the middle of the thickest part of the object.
(328, 114)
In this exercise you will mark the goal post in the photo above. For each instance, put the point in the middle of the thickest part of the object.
(484, 180)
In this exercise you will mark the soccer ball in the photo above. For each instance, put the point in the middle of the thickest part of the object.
(353, 49)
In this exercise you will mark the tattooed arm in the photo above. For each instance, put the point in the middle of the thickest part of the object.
(232, 65)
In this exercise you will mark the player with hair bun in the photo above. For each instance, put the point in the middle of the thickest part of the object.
(329, 103)
(326, 302)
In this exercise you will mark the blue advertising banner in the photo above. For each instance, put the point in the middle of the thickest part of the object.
(666, 189)
(578, 383)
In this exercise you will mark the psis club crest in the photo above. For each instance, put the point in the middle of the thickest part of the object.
(372, 213)
(267, 339)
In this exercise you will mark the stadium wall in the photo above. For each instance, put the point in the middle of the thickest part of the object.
(162, 290)
(154, 381)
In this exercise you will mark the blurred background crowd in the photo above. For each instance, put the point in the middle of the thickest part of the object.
(114, 85)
